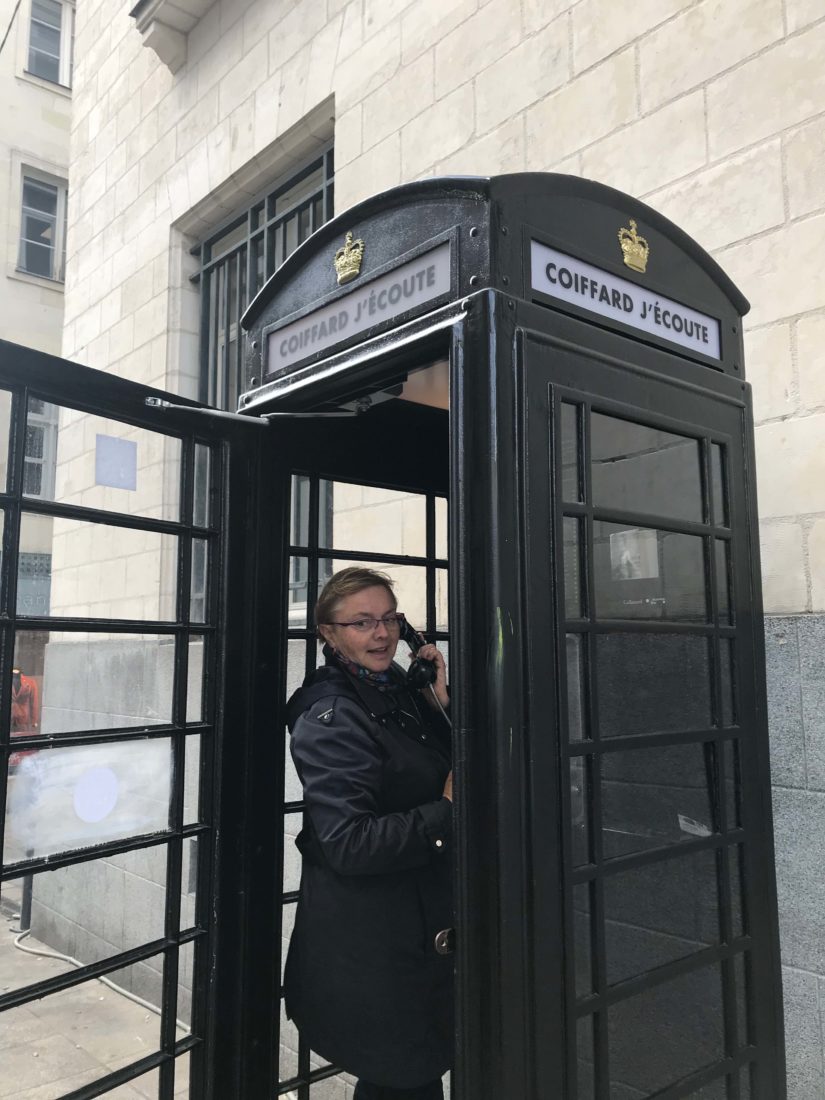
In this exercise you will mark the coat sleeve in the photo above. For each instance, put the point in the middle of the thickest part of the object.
(339, 764)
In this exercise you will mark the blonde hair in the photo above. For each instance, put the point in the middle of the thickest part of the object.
(347, 582)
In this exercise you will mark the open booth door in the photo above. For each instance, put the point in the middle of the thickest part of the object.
(138, 872)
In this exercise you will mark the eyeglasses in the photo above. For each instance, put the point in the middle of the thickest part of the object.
(367, 624)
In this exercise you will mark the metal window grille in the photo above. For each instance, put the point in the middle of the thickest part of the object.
(237, 260)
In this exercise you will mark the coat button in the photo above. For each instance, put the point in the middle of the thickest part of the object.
(439, 844)
(423, 737)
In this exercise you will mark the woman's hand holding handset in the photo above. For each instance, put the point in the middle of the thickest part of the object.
(448, 787)
(430, 652)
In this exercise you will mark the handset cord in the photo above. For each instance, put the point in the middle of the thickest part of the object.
(438, 704)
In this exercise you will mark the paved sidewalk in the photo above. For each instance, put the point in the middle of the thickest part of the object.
(52, 1046)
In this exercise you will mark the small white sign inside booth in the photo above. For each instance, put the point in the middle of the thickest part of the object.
(570, 280)
(412, 284)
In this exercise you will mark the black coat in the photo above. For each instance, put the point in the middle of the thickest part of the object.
(363, 981)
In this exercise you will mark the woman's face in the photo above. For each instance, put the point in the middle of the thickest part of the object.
(373, 649)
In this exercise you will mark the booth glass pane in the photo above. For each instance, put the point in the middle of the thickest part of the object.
(742, 982)
(85, 681)
(582, 936)
(727, 682)
(201, 503)
(186, 970)
(371, 520)
(656, 797)
(723, 600)
(572, 568)
(410, 587)
(635, 468)
(75, 1037)
(738, 915)
(195, 680)
(660, 912)
(97, 570)
(298, 591)
(643, 573)
(198, 592)
(5, 418)
(580, 787)
(733, 785)
(292, 857)
(191, 779)
(76, 797)
(441, 527)
(88, 912)
(652, 683)
(574, 646)
(299, 529)
(720, 497)
(189, 884)
(666, 1033)
(103, 463)
(570, 465)
(585, 1059)
(442, 599)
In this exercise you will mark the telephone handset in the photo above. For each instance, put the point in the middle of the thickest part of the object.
(421, 673)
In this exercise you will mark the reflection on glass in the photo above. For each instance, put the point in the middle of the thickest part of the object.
(191, 779)
(733, 784)
(580, 768)
(194, 679)
(665, 1033)
(76, 797)
(639, 469)
(585, 1058)
(660, 912)
(728, 682)
(202, 504)
(119, 1030)
(182, 1071)
(98, 681)
(372, 520)
(739, 919)
(656, 797)
(741, 975)
(720, 496)
(5, 419)
(96, 570)
(67, 915)
(652, 683)
(721, 549)
(186, 970)
(572, 569)
(198, 590)
(643, 573)
(582, 936)
(99, 463)
(574, 644)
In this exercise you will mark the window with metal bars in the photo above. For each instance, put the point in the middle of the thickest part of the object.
(239, 257)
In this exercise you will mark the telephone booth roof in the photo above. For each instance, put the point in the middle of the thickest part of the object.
(567, 243)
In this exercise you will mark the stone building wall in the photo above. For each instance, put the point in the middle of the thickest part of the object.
(713, 111)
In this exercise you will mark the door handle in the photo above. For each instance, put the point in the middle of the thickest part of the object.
(445, 941)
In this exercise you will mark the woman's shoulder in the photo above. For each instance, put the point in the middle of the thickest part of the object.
(324, 683)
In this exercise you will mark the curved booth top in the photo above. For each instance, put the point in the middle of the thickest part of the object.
(566, 243)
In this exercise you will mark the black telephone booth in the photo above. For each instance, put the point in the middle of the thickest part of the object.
(557, 369)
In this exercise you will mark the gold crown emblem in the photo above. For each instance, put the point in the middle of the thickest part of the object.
(634, 248)
(348, 260)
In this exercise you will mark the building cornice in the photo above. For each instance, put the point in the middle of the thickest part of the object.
(165, 25)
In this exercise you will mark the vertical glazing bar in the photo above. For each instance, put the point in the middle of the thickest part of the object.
(237, 310)
(602, 1068)
(225, 312)
(429, 528)
(203, 347)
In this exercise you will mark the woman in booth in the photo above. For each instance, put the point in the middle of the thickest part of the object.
(364, 982)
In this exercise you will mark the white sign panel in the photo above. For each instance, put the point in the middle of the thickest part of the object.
(570, 280)
(412, 284)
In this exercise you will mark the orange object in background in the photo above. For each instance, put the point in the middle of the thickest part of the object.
(25, 711)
